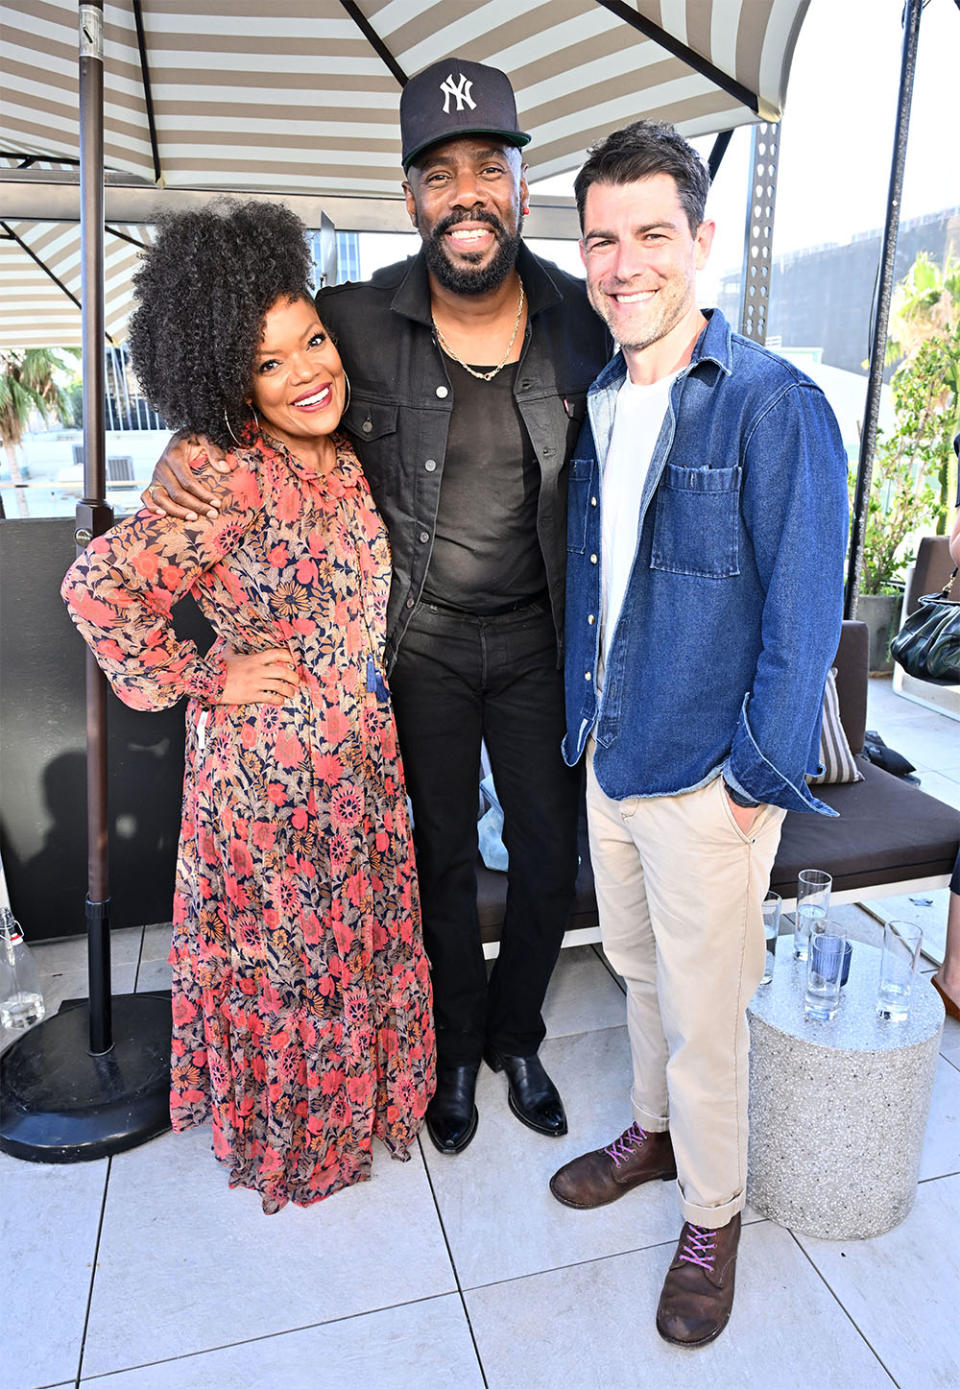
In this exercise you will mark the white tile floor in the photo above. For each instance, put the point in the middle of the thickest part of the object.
(145, 1272)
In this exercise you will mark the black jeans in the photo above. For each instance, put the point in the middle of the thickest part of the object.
(458, 679)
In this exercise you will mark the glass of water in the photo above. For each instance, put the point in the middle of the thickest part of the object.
(827, 946)
(772, 906)
(813, 903)
(899, 959)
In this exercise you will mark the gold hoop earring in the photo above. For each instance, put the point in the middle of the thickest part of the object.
(346, 403)
(256, 418)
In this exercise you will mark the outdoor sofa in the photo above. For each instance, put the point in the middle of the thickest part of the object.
(890, 837)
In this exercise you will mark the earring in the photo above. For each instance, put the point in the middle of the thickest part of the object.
(256, 417)
(226, 420)
(346, 403)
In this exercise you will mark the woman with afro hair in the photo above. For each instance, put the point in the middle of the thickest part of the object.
(301, 995)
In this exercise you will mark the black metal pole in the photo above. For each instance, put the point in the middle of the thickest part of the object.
(92, 1079)
(93, 515)
(888, 251)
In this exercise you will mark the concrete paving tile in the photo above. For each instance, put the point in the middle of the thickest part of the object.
(49, 1217)
(929, 740)
(187, 1264)
(153, 974)
(941, 1146)
(583, 995)
(156, 942)
(786, 1329)
(507, 1167)
(421, 1345)
(61, 956)
(945, 788)
(950, 1041)
(902, 1289)
(926, 909)
(69, 954)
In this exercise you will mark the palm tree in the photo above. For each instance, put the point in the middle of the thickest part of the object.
(28, 385)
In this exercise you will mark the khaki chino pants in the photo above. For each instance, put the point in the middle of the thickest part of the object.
(679, 889)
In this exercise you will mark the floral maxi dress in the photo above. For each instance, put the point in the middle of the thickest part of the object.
(301, 995)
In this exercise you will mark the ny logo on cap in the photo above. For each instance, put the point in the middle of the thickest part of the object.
(460, 91)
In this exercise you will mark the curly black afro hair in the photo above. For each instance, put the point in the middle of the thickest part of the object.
(203, 291)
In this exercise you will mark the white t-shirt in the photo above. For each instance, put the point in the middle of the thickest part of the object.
(636, 428)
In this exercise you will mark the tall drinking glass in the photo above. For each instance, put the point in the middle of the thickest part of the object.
(772, 906)
(899, 959)
(827, 944)
(813, 903)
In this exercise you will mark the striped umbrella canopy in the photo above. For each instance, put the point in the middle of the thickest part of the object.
(301, 98)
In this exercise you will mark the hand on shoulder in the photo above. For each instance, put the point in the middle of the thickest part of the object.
(187, 479)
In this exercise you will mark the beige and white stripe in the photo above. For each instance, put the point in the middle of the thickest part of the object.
(34, 310)
(297, 100)
(293, 99)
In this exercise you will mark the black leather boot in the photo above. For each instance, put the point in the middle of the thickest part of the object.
(533, 1096)
(452, 1114)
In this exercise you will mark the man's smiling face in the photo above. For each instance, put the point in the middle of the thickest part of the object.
(465, 198)
(641, 258)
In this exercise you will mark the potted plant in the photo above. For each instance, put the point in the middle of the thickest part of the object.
(913, 461)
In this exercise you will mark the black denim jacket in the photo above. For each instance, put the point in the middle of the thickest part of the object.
(401, 399)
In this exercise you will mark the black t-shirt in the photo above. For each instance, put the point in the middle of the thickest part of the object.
(486, 555)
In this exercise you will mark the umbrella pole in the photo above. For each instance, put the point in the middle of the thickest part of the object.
(888, 251)
(94, 516)
(94, 1079)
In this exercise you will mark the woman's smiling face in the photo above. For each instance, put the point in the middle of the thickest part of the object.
(299, 385)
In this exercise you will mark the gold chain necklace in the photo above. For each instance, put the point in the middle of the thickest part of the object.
(484, 375)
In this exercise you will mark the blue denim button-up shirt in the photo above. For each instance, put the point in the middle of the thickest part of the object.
(732, 615)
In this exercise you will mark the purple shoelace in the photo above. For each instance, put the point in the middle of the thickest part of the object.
(628, 1143)
(700, 1247)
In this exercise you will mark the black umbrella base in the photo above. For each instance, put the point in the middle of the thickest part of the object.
(60, 1104)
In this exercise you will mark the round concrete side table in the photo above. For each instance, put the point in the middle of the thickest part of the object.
(838, 1109)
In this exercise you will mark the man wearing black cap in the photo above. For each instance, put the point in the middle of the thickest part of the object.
(469, 367)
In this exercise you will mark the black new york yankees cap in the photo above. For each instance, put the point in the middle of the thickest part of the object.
(457, 97)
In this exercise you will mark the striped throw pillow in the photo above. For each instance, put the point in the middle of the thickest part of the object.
(839, 763)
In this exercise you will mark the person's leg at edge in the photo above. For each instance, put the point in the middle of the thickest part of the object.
(947, 978)
(437, 701)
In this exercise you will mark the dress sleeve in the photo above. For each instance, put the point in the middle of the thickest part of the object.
(121, 590)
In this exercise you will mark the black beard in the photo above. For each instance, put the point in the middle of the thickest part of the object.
(459, 279)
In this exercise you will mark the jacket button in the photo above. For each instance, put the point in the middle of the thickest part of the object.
(586, 675)
(525, 385)
(442, 392)
(367, 426)
(410, 603)
(593, 501)
(430, 466)
(591, 620)
(593, 559)
(548, 453)
(423, 537)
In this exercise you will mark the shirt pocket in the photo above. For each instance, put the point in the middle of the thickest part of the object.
(696, 527)
(580, 496)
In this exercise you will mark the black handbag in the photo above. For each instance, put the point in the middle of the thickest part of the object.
(928, 643)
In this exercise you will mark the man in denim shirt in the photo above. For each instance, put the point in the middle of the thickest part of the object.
(706, 537)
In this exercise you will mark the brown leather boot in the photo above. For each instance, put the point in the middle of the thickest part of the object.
(697, 1295)
(606, 1174)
